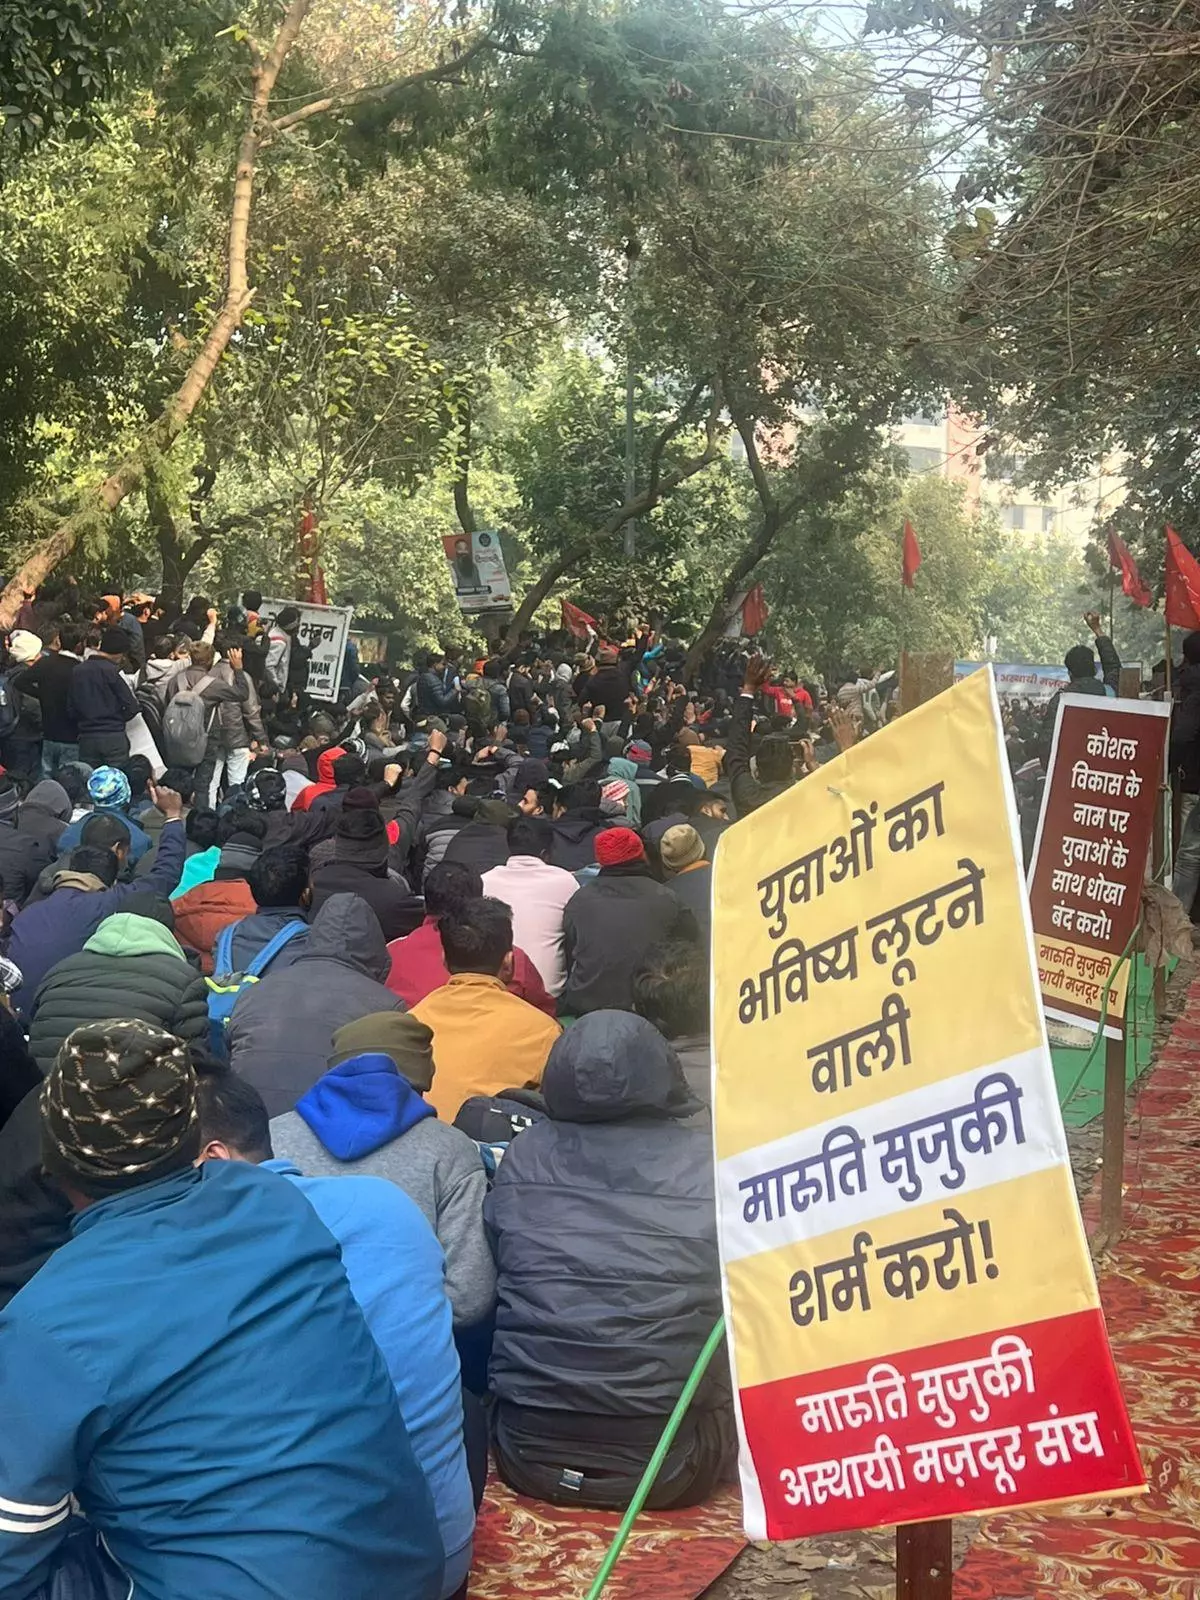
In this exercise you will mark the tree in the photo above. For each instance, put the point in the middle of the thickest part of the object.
(261, 127)
(1077, 230)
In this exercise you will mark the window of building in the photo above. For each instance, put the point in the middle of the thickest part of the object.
(1002, 466)
(1049, 519)
(1013, 517)
(921, 459)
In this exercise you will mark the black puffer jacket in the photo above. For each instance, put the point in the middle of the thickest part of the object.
(604, 1313)
(282, 1028)
(132, 966)
(574, 842)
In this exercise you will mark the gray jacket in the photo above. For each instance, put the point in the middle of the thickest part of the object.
(604, 1229)
(282, 1028)
(439, 1169)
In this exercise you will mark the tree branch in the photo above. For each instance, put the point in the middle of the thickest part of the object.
(172, 420)
(383, 91)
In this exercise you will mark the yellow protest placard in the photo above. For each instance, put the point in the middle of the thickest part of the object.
(888, 1143)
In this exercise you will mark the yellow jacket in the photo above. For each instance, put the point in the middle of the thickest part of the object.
(484, 1040)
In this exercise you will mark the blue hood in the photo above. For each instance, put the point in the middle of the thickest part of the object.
(361, 1104)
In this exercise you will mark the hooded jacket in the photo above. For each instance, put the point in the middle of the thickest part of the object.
(260, 927)
(398, 910)
(453, 813)
(604, 1313)
(46, 933)
(202, 912)
(574, 843)
(365, 1118)
(121, 1357)
(32, 845)
(282, 1027)
(131, 967)
(325, 783)
(608, 927)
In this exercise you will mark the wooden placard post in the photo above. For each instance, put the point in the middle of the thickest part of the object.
(925, 1561)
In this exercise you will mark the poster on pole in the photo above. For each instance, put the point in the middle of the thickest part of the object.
(888, 1145)
(478, 569)
(1107, 765)
(324, 630)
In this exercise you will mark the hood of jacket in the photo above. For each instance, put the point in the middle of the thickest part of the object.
(361, 1104)
(50, 798)
(610, 1065)
(325, 763)
(576, 825)
(160, 669)
(126, 934)
(346, 929)
(87, 881)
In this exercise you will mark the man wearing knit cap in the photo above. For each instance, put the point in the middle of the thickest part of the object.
(368, 1116)
(689, 874)
(109, 792)
(102, 702)
(611, 923)
(181, 1287)
(360, 866)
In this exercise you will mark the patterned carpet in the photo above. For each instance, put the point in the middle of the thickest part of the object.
(527, 1551)
(1147, 1548)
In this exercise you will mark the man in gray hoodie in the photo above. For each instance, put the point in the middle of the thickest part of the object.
(367, 1115)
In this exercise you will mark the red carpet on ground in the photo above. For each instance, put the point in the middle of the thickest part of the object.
(527, 1551)
(1146, 1548)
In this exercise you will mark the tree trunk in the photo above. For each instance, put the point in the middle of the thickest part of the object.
(167, 427)
(774, 520)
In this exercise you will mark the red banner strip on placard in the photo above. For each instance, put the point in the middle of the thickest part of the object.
(943, 1431)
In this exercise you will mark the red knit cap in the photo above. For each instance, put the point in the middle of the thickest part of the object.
(615, 846)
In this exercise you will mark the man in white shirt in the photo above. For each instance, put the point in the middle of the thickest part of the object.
(537, 893)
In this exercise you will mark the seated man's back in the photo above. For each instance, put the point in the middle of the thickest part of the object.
(601, 1315)
(193, 1368)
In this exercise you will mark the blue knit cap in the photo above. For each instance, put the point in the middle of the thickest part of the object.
(108, 786)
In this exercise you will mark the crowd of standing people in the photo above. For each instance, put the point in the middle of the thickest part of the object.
(354, 1089)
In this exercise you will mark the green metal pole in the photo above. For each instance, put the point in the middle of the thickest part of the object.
(654, 1466)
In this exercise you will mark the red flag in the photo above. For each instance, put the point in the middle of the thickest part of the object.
(1131, 578)
(912, 555)
(1183, 584)
(317, 594)
(755, 611)
(578, 622)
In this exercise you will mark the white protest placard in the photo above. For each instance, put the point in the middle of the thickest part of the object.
(323, 629)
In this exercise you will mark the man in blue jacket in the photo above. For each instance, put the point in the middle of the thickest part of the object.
(84, 894)
(397, 1273)
(192, 1367)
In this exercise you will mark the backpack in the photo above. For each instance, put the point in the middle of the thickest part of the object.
(477, 704)
(225, 985)
(493, 1121)
(185, 726)
(10, 707)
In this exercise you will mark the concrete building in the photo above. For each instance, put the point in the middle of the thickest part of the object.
(947, 442)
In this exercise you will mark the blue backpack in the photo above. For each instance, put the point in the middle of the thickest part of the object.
(225, 985)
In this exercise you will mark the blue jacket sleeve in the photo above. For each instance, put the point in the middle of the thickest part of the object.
(52, 1414)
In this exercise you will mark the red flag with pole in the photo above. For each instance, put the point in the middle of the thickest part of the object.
(755, 611)
(1131, 579)
(577, 622)
(912, 555)
(1183, 584)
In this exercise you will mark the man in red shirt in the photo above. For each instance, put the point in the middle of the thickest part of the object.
(418, 961)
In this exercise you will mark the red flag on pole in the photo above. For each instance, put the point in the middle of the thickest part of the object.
(912, 555)
(577, 622)
(1131, 578)
(1183, 584)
